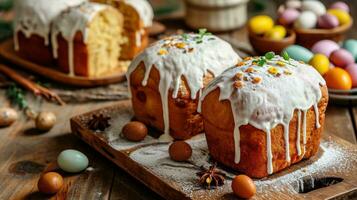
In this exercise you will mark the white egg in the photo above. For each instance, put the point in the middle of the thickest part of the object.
(293, 4)
(307, 20)
(315, 6)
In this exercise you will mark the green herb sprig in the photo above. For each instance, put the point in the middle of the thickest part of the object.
(201, 34)
(17, 96)
(264, 59)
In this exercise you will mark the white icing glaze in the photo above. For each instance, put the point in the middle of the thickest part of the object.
(69, 23)
(298, 133)
(175, 57)
(36, 16)
(267, 96)
(144, 10)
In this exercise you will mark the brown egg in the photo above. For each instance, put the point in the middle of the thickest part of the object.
(180, 151)
(243, 186)
(7, 116)
(50, 183)
(135, 131)
(45, 121)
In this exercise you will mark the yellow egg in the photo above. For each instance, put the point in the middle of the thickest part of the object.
(261, 24)
(276, 33)
(342, 16)
(320, 62)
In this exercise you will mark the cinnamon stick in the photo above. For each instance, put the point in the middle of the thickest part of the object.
(31, 86)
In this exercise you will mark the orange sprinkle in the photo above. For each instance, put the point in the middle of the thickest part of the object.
(247, 58)
(238, 76)
(249, 70)
(240, 64)
(162, 52)
(238, 84)
(256, 80)
(273, 70)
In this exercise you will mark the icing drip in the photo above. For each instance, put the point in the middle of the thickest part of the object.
(269, 153)
(188, 56)
(69, 23)
(34, 17)
(267, 95)
(286, 140)
(144, 10)
(298, 133)
(316, 109)
(304, 130)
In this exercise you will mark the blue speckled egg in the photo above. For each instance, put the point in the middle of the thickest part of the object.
(299, 53)
(351, 46)
(72, 161)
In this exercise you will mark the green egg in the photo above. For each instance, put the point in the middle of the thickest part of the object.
(299, 53)
(72, 161)
(351, 46)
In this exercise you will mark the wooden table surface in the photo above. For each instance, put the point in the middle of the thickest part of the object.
(25, 153)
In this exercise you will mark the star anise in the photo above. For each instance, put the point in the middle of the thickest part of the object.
(98, 122)
(211, 178)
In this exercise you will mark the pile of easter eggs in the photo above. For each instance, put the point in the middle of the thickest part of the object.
(310, 14)
(336, 64)
(264, 25)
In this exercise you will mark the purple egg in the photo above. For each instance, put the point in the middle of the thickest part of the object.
(325, 47)
(288, 16)
(340, 5)
(327, 21)
(341, 58)
(352, 70)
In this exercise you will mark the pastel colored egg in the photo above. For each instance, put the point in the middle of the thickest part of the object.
(72, 161)
(320, 62)
(295, 4)
(352, 70)
(341, 58)
(338, 78)
(327, 21)
(281, 9)
(325, 47)
(276, 33)
(288, 16)
(351, 46)
(341, 6)
(307, 20)
(342, 16)
(299, 53)
(314, 6)
(261, 24)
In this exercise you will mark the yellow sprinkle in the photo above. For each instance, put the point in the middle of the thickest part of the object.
(162, 52)
(273, 70)
(286, 72)
(180, 45)
(256, 80)
(238, 84)
(281, 64)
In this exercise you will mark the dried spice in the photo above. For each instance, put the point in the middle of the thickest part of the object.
(256, 80)
(272, 70)
(238, 76)
(238, 84)
(98, 122)
(211, 178)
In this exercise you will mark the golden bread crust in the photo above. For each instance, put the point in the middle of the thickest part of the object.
(185, 121)
(253, 150)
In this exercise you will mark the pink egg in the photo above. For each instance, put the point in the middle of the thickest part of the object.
(288, 16)
(325, 47)
(341, 58)
(327, 21)
(340, 5)
(352, 70)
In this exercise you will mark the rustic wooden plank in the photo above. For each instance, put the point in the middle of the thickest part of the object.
(338, 122)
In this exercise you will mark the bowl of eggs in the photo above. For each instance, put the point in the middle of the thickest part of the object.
(312, 21)
(265, 36)
(337, 64)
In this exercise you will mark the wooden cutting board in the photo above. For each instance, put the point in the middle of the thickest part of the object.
(7, 52)
(148, 161)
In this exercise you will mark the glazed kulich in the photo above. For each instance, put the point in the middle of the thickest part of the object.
(165, 81)
(32, 26)
(86, 40)
(260, 119)
(138, 16)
